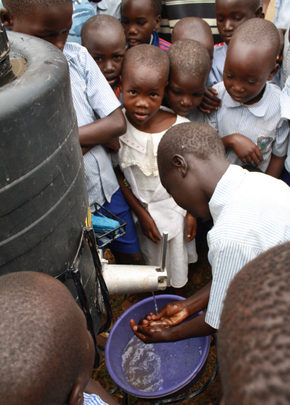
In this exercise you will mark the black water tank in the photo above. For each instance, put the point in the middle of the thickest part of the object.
(43, 196)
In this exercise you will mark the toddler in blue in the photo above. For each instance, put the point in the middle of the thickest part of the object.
(249, 119)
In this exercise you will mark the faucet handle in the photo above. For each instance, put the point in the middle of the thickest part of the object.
(163, 250)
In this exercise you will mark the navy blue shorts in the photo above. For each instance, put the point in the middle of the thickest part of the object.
(127, 243)
(285, 176)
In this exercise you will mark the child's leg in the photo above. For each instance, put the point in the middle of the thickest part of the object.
(126, 248)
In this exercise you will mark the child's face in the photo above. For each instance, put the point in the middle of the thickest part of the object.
(244, 78)
(187, 191)
(49, 23)
(108, 51)
(142, 94)
(184, 92)
(230, 14)
(139, 21)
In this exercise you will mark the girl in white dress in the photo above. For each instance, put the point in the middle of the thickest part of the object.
(144, 79)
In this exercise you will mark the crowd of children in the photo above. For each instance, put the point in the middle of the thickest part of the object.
(167, 129)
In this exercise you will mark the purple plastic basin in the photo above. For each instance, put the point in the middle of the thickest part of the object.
(181, 363)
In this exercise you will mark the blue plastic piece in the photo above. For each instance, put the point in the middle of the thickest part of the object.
(103, 225)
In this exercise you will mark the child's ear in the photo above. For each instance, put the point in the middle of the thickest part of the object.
(259, 12)
(180, 163)
(6, 18)
(157, 22)
(274, 71)
(76, 396)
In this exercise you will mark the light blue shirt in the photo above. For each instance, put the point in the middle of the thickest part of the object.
(218, 63)
(285, 114)
(93, 98)
(84, 9)
(285, 68)
(251, 214)
(93, 400)
(261, 122)
(282, 15)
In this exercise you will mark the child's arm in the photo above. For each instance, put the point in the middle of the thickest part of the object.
(167, 326)
(103, 130)
(276, 166)
(191, 225)
(146, 222)
(244, 148)
(210, 101)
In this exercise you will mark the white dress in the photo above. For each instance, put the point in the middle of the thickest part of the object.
(138, 161)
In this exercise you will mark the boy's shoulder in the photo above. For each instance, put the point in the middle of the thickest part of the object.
(74, 50)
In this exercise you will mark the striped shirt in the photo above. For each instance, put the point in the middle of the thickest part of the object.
(174, 10)
(261, 122)
(159, 42)
(251, 214)
(93, 400)
(285, 114)
(218, 63)
(93, 98)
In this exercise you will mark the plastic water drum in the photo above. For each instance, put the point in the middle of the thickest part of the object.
(43, 196)
(156, 370)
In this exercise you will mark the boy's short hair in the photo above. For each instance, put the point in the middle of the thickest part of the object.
(156, 6)
(261, 33)
(190, 137)
(147, 56)
(189, 57)
(254, 332)
(194, 26)
(25, 7)
(102, 22)
(40, 348)
(253, 4)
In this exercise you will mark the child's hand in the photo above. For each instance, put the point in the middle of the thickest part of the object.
(171, 314)
(210, 101)
(244, 148)
(113, 145)
(148, 227)
(151, 334)
(191, 227)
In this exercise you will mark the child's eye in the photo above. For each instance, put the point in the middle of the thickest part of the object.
(154, 95)
(118, 57)
(197, 95)
(229, 76)
(252, 82)
(176, 92)
(133, 92)
(98, 59)
(141, 23)
(220, 20)
(238, 18)
(124, 21)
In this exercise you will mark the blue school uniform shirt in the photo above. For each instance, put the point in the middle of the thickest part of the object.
(251, 214)
(218, 63)
(285, 114)
(84, 9)
(93, 400)
(261, 122)
(93, 98)
(282, 15)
